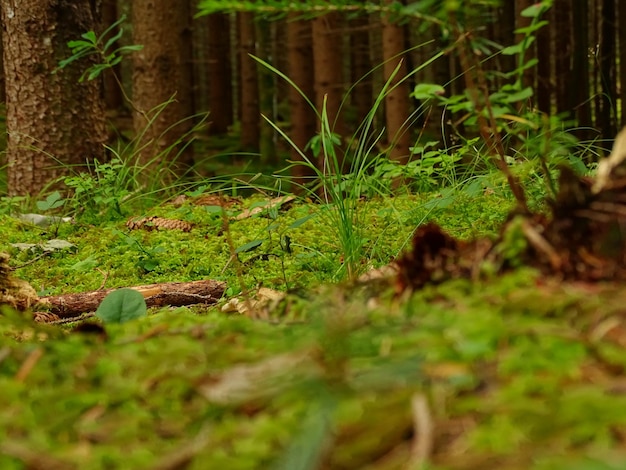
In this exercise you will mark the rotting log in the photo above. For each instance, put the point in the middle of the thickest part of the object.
(173, 294)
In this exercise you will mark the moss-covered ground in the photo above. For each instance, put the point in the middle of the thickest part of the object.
(513, 372)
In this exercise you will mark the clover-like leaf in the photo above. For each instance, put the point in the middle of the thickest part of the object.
(121, 306)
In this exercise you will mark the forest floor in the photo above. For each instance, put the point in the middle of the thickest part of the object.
(507, 371)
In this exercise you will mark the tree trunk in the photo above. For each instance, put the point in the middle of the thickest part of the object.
(579, 88)
(159, 119)
(113, 96)
(606, 120)
(220, 70)
(249, 80)
(397, 99)
(54, 123)
(327, 63)
(302, 117)
(267, 87)
(622, 63)
(361, 65)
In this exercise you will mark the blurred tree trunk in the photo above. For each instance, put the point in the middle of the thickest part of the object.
(302, 117)
(249, 84)
(523, 22)
(158, 88)
(327, 64)
(266, 90)
(608, 70)
(46, 140)
(579, 88)
(544, 48)
(397, 106)
(220, 70)
(2, 84)
(562, 60)
(622, 61)
(113, 96)
(361, 65)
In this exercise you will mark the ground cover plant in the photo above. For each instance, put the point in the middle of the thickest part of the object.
(461, 311)
(514, 371)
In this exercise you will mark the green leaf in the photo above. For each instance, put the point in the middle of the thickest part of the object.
(300, 221)
(90, 36)
(249, 246)
(53, 201)
(536, 10)
(512, 50)
(425, 91)
(121, 306)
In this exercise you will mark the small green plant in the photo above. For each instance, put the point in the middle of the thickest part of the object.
(121, 305)
(102, 46)
(148, 259)
(100, 193)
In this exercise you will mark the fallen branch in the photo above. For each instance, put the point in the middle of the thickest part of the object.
(157, 295)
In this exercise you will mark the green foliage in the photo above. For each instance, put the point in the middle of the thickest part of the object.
(121, 305)
(101, 46)
(53, 201)
(101, 193)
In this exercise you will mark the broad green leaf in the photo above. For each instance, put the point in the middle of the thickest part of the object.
(121, 306)
(425, 91)
(249, 246)
(90, 36)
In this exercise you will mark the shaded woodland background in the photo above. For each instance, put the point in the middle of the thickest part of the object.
(204, 63)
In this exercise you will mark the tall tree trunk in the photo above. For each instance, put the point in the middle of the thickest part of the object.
(267, 87)
(579, 87)
(544, 75)
(249, 80)
(220, 86)
(55, 124)
(361, 65)
(608, 70)
(327, 63)
(523, 22)
(113, 97)
(302, 117)
(622, 63)
(397, 99)
(2, 84)
(157, 82)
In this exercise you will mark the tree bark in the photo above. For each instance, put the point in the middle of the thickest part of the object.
(397, 99)
(249, 84)
(113, 97)
(156, 295)
(158, 88)
(360, 66)
(220, 71)
(327, 63)
(54, 123)
(302, 116)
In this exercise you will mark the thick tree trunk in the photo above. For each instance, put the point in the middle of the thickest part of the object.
(249, 80)
(397, 99)
(158, 88)
(327, 63)
(302, 117)
(220, 81)
(54, 123)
